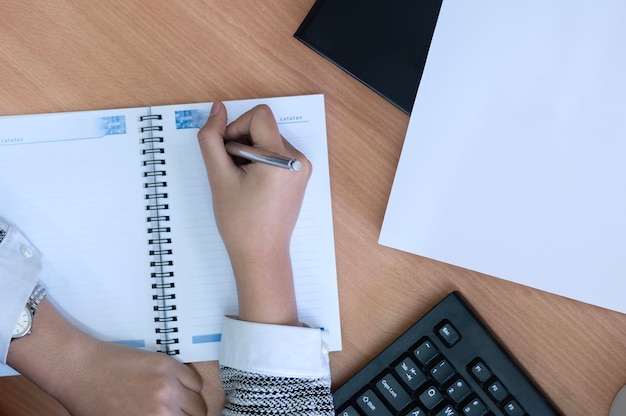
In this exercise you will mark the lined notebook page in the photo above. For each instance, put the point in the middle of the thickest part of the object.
(73, 184)
(205, 288)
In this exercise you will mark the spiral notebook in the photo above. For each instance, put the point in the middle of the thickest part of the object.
(119, 203)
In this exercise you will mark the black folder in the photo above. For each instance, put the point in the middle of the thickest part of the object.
(383, 44)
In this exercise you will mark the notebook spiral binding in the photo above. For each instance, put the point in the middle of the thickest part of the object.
(159, 240)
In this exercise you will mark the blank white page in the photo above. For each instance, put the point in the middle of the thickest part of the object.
(513, 163)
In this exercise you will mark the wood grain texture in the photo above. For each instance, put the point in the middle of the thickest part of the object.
(70, 55)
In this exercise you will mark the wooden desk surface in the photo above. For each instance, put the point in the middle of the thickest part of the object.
(67, 55)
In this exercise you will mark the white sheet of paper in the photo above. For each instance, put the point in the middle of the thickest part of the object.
(514, 163)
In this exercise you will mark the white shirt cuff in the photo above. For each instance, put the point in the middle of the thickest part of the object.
(274, 350)
(20, 265)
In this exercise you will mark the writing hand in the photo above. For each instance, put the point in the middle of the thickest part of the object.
(256, 207)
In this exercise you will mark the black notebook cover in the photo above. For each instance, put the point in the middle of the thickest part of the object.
(383, 44)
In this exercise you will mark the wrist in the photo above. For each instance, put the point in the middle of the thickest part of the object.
(51, 353)
(265, 290)
(23, 326)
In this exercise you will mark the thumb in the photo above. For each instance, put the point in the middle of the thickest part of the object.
(211, 141)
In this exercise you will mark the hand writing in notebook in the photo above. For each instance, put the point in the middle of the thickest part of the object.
(256, 207)
(265, 353)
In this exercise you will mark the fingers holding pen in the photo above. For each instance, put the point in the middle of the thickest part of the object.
(259, 126)
(211, 140)
(256, 127)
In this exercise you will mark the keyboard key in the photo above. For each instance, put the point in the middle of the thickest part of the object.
(416, 411)
(513, 408)
(409, 373)
(391, 390)
(448, 334)
(426, 352)
(447, 411)
(371, 404)
(349, 411)
(497, 391)
(442, 372)
(459, 390)
(475, 408)
(431, 398)
(481, 372)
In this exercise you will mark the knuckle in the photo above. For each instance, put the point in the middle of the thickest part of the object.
(163, 394)
(306, 165)
(203, 134)
(263, 108)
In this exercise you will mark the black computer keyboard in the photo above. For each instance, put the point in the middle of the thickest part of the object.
(447, 364)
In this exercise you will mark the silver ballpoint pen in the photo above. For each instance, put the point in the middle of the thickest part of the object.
(264, 156)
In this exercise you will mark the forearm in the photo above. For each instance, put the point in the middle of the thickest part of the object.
(94, 378)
